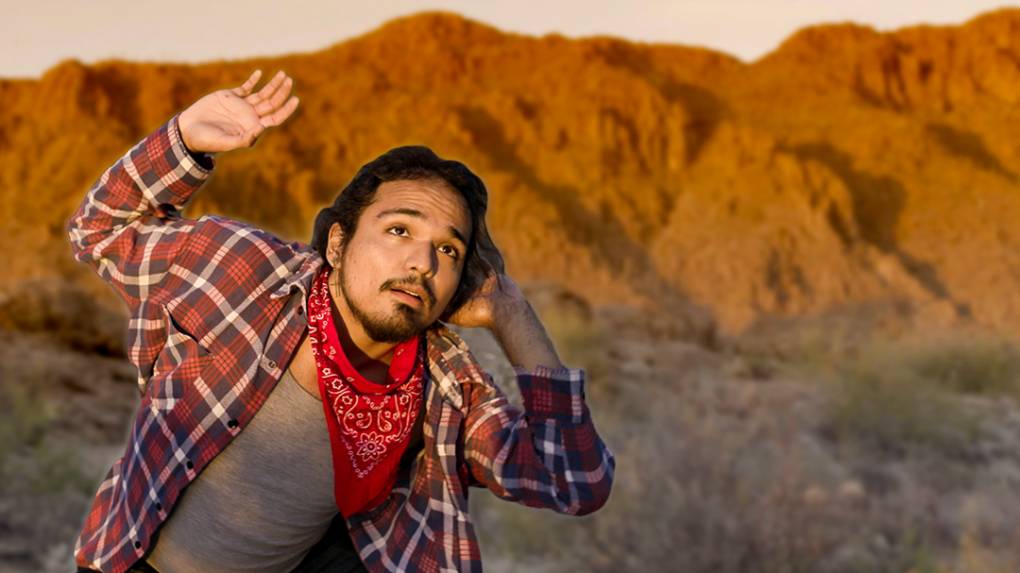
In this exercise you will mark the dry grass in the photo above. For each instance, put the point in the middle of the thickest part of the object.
(28, 459)
(44, 485)
(882, 399)
(886, 456)
(854, 455)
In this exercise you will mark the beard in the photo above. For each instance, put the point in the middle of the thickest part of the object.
(401, 325)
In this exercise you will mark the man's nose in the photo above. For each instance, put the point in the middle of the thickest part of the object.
(423, 260)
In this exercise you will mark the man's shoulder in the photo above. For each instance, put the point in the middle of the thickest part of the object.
(224, 242)
(225, 257)
(220, 233)
(228, 273)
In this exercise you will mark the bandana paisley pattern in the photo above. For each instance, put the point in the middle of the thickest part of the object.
(374, 421)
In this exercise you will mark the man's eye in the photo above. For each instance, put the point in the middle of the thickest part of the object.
(399, 230)
(451, 251)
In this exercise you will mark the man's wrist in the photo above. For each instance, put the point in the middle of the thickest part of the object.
(202, 158)
(505, 312)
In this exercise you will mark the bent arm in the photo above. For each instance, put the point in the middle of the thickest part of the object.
(549, 455)
(126, 228)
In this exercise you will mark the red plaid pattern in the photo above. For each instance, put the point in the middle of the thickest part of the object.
(213, 323)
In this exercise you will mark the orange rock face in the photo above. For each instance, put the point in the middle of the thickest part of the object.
(846, 166)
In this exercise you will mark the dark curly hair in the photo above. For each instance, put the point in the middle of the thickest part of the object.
(417, 162)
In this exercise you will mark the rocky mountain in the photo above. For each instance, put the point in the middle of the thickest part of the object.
(846, 166)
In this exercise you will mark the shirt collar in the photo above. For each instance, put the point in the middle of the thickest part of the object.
(451, 364)
(301, 278)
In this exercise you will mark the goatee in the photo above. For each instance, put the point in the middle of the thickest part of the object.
(404, 324)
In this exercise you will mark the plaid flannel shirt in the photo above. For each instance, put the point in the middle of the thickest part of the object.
(212, 324)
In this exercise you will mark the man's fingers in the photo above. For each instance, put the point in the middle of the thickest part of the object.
(275, 100)
(280, 95)
(267, 90)
(280, 115)
(245, 88)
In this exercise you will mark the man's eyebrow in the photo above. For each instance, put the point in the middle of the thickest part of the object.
(418, 214)
(402, 211)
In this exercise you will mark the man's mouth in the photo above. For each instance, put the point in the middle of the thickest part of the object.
(409, 295)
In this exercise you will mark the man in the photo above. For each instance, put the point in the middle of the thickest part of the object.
(303, 407)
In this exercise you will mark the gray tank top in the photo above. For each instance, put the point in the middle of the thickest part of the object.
(262, 502)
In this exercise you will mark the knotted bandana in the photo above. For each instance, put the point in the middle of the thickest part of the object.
(369, 423)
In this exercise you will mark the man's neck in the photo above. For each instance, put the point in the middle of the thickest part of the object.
(363, 361)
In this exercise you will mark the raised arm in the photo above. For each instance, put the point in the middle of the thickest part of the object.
(127, 227)
(549, 455)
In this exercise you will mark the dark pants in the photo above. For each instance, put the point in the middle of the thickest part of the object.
(334, 553)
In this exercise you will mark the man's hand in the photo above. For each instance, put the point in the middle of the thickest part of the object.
(234, 118)
(500, 306)
(482, 309)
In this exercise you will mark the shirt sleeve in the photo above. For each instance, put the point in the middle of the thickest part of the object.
(128, 227)
(549, 455)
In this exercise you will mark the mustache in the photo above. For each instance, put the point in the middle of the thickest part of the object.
(430, 296)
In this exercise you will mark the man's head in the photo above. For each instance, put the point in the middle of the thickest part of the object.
(408, 220)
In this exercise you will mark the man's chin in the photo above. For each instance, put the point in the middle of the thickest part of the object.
(394, 333)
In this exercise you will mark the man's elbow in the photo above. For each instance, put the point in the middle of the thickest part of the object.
(592, 506)
(597, 491)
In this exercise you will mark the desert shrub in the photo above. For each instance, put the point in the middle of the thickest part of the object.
(901, 393)
(980, 364)
(879, 399)
(806, 346)
(27, 457)
(64, 313)
(23, 423)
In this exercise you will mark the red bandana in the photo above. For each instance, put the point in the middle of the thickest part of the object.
(369, 424)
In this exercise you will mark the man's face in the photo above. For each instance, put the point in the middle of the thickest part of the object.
(412, 237)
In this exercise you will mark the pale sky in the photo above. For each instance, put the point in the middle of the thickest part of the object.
(36, 34)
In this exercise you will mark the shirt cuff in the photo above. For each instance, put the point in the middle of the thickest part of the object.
(556, 393)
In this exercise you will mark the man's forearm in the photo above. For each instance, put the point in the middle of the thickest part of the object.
(523, 338)
(155, 172)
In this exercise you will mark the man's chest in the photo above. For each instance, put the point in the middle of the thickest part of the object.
(304, 370)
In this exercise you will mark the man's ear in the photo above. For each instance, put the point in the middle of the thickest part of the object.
(333, 243)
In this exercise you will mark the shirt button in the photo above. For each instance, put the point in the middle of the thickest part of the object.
(159, 506)
(232, 424)
(271, 363)
(138, 544)
(189, 465)
(300, 310)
